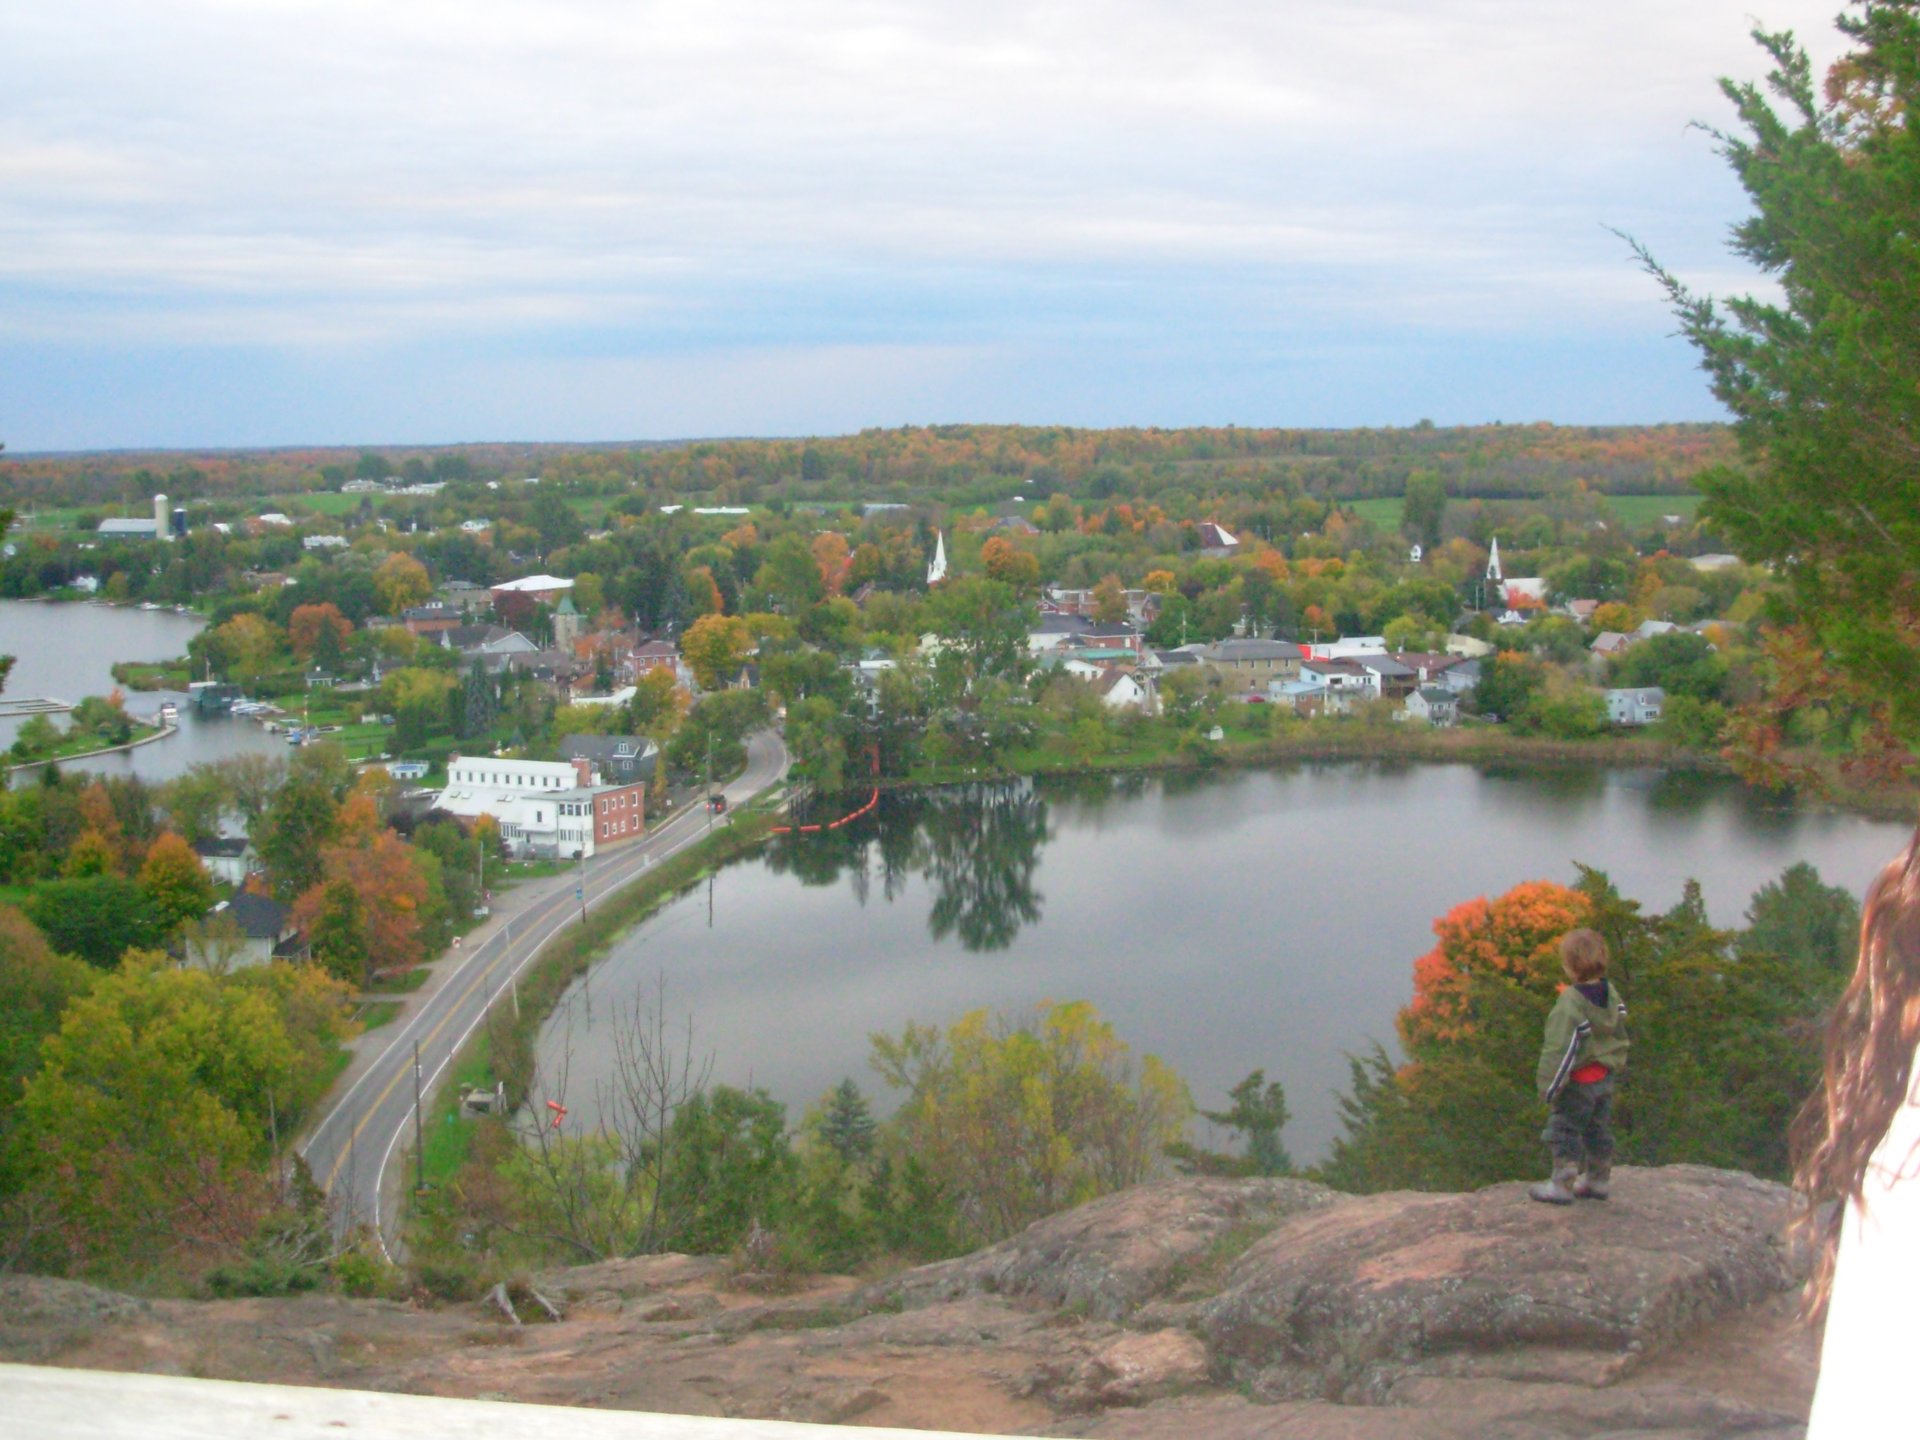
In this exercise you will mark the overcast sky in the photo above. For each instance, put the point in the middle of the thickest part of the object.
(242, 222)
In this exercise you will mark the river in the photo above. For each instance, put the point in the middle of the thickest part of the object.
(67, 651)
(1251, 919)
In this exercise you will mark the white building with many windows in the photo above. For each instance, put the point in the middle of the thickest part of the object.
(545, 807)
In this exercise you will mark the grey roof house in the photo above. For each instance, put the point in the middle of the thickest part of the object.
(620, 759)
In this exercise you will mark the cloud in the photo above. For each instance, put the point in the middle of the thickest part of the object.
(263, 173)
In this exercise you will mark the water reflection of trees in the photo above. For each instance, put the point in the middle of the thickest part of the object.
(978, 846)
(982, 851)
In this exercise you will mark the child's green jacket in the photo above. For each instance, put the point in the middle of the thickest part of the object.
(1580, 1032)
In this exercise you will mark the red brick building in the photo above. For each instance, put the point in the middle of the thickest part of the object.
(619, 814)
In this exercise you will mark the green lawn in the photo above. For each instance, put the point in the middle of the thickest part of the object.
(376, 1013)
(447, 1129)
(1647, 509)
(362, 741)
(326, 502)
(1383, 511)
(154, 675)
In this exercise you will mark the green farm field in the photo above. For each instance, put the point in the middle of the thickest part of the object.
(1647, 509)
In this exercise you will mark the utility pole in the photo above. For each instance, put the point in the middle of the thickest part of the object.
(419, 1135)
(580, 884)
(707, 783)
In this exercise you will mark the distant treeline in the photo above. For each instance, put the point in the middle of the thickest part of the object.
(948, 464)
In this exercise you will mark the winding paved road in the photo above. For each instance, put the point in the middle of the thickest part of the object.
(352, 1150)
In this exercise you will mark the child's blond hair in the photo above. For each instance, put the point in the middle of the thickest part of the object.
(1583, 955)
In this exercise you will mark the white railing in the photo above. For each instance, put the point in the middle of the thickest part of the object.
(50, 1404)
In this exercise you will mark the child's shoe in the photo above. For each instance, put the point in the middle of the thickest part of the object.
(1559, 1189)
(1595, 1182)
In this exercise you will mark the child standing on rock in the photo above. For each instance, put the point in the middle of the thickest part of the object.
(1585, 1047)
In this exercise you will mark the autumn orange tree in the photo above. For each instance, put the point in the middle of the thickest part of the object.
(389, 879)
(1513, 939)
(1461, 1111)
(313, 630)
(1724, 1038)
(832, 554)
(1008, 563)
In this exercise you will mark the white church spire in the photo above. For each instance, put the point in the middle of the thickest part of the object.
(937, 571)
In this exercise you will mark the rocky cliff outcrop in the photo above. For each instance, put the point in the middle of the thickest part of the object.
(1219, 1307)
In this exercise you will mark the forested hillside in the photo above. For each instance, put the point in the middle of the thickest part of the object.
(954, 464)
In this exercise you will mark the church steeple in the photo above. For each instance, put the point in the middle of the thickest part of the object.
(937, 571)
(1493, 561)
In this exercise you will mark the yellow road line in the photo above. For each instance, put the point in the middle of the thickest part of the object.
(372, 1109)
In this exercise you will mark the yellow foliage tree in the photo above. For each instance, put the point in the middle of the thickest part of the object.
(401, 582)
(1020, 1118)
(714, 646)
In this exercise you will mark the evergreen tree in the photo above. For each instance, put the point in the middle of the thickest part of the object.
(1824, 384)
(1796, 917)
(482, 702)
(846, 1124)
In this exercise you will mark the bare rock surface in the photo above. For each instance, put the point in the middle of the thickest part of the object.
(1109, 1257)
(1343, 1302)
(1244, 1310)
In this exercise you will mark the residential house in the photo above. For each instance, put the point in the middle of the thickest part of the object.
(465, 596)
(553, 668)
(1609, 643)
(621, 759)
(1309, 695)
(1432, 705)
(1469, 646)
(266, 927)
(1461, 677)
(1113, 635)
(228, 859)
(1121, 690)
(1636, 705)
(1395, 680)
(1432, 668)
(486, 642)
(1142, 605)
(433, 619)
(655, 655)
(1216, 541)
(1346, 678)
(1056, 629)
